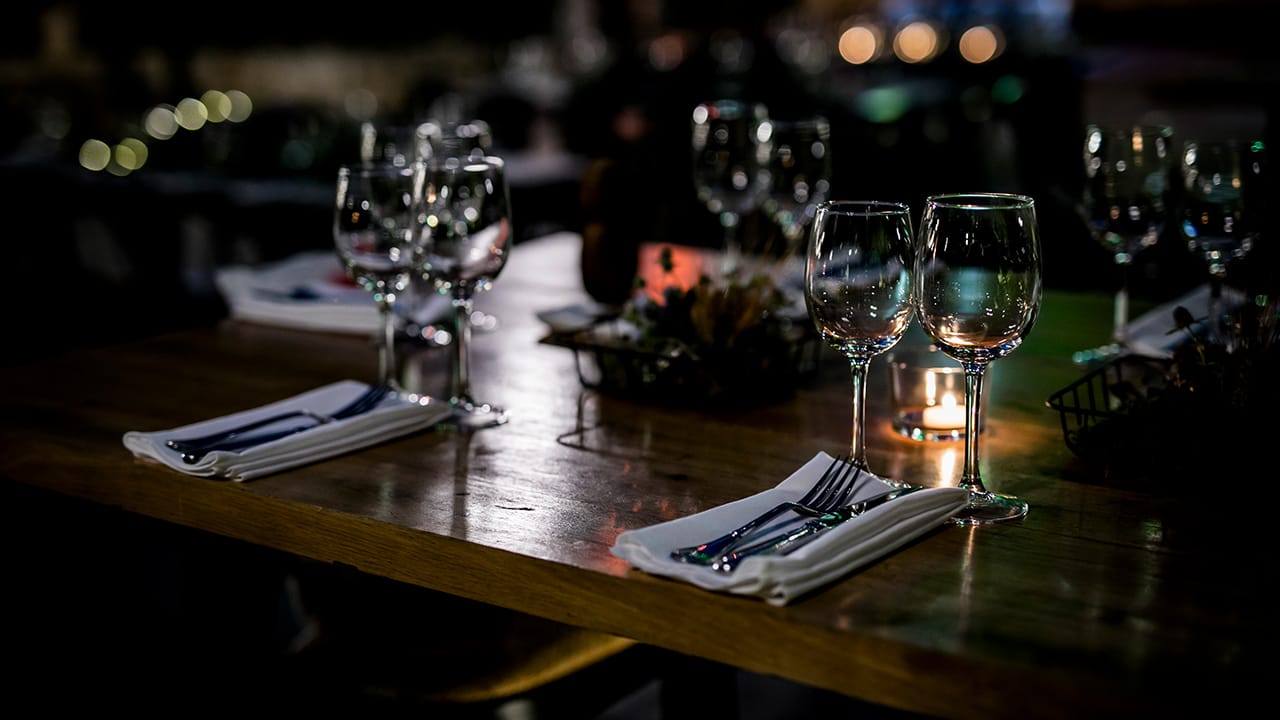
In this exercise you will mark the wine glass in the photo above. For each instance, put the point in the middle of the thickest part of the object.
(463, 242)
(799, 169)
(1127, 173)
(393, 143)
(1221, 210)
(462, 139)
(472, 139)
(978, 282)
(730, 164)
(857, 288)
(374, 232)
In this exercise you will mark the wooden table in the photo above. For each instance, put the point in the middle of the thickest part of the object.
(1103, 601)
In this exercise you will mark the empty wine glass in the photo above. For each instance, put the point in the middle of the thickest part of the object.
(730, 165)
(464, 140)
(374, 232)
(1127, 173)
(1222, 198)
(463, 243)
(857, 288)
(978, 284)
(394, 143)
(799, 169)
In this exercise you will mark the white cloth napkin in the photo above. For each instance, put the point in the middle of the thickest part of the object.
(1149, 334)
(393, 417)
(309, 291)
(779, 579)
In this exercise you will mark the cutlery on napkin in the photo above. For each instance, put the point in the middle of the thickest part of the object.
(394, 416)
(779, 578)
(1154, 333)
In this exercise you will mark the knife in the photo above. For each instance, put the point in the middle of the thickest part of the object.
(799, 537)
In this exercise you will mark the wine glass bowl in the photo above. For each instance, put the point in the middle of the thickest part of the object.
(374, 234)
(1127, 173)
(463, 244)
(730, 164)
(1222, 184)
(799, 171)
(978, 282)
(857, 288)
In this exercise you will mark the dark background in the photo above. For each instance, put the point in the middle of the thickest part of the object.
(95, 257)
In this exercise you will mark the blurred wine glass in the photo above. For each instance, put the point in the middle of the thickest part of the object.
(730, 165)
(1222, 205)
(374, 232)
(1127, 175)
(463, 243)
(799, 169)
(392, 143)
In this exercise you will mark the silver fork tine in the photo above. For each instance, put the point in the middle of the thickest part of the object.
(839, 489)
(826, 490)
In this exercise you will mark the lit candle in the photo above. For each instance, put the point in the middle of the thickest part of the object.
(947, 414)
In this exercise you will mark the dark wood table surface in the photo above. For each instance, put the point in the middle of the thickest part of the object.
(1107, 599)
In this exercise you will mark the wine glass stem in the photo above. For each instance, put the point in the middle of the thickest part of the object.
(462, 347)
(974, 373)
(387, 351)
(732, 245)
(1120, 323)
(858, 447)
(1214, 315)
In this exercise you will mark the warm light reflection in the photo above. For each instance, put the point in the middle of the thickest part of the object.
(860, 44)
(917, 42)
(686, 265)
(947, 463)
(981, 43)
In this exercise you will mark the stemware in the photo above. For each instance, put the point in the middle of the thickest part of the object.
(857, 288)
(977, 276)
(1222, 184)
(463, 242)
(374, 233)
(730, 165)
(799, 170)
(392, 143)
(1126, 193)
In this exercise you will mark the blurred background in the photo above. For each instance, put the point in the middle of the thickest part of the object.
(144, 145)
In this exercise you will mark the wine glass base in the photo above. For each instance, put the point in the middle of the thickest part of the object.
(470, 415)
(988, 507)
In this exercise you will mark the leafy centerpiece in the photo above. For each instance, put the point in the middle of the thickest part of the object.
(691, 335)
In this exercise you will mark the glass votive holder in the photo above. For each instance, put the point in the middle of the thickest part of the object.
(926, 395)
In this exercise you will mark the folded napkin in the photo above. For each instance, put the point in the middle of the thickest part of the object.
(310, 290)
(1149, 334)
(778, 579)
(393, 417)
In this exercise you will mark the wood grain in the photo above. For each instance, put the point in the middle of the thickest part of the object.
(1098, 603)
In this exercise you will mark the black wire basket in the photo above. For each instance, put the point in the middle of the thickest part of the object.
(1105, 414)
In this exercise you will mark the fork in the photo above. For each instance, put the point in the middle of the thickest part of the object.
(831, 490)
(193, 449)
(793, 540)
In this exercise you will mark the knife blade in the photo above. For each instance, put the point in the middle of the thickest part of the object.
(796, 538)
